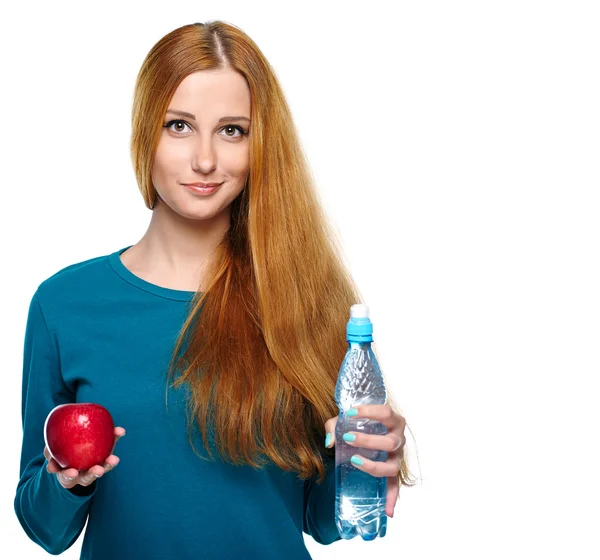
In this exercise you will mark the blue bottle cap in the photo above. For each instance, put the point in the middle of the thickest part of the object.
(359, 327)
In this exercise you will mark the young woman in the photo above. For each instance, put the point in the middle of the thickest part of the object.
(222, 329)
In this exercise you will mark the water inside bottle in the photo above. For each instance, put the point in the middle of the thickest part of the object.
(360, 508)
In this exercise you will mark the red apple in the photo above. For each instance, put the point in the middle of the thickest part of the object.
(79, 435)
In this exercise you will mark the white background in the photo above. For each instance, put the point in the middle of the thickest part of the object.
(455, 146)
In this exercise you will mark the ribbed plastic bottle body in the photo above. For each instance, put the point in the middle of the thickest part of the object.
(360, 496)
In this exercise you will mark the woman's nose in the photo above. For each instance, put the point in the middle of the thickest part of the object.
(204, 155)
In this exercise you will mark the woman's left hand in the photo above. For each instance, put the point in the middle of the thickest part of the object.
(392, 442)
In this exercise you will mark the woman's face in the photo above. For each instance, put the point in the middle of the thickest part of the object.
(208, 145)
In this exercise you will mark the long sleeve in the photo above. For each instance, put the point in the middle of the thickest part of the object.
(319, 507)
(87, 340)
(51, 515)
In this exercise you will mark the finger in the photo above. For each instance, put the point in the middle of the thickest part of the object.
(47, 453)
(119, 433)
(376, 468)
(65, 481)
(330, 439)
(85, 479)
(96, 472)
(387, 442)
(380, 412)
(70, 472)
(392, 495)
(330, 431)
(68, 477)
(111, 462)
(53, 467)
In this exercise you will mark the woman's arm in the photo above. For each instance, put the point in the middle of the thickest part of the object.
(51, 515)
(319, 507)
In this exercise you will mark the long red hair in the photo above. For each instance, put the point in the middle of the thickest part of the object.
(261, 347)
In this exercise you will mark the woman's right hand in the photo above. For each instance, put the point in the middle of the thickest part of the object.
(71, 477)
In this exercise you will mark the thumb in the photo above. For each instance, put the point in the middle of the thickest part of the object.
(330, 431)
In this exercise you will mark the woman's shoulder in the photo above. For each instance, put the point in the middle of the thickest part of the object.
(75, 277)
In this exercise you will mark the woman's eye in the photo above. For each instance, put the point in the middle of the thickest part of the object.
(175, 121)
(241, 131)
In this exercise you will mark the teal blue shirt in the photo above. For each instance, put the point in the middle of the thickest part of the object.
(98, 333)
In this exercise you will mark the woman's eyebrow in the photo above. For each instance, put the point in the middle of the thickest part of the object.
(193, 117)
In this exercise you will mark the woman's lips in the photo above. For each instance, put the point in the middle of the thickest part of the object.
(202, 190)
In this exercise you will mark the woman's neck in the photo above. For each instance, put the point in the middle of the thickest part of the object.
(175, 250)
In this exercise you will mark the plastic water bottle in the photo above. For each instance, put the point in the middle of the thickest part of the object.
(360, 497)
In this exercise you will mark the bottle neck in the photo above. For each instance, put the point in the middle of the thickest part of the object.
(359, 345)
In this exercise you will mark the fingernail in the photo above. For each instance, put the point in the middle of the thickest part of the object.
(351, 412)
(356, 460)
(327, 439)
(349, 437)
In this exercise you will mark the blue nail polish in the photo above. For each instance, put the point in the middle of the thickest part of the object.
(352, 412)
(356, 460)
(349, 437)
(327, 439)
